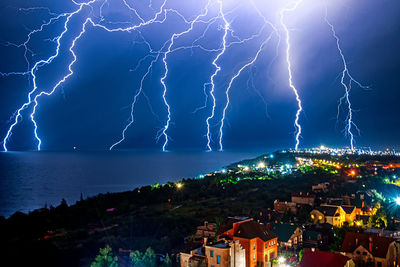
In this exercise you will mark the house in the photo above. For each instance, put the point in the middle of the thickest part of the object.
(208, 230)
(283, 207)
(290, 236)
(323, 187)
(195, 257)
(303, 198)
(226, 253)
(372, 249)
(334, 215)
(223, 253)
(318, 236)
(351, 213)
(258, 241)
(395, 234)
(312, 258)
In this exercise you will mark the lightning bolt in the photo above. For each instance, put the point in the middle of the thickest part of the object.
(250, 63)
(289, 68)
(217, 70)
(164, 59)
(70, 73)
(29, 36)
(135, 98)
(37, 65)
(345, 74)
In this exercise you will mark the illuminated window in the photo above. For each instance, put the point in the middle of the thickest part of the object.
(218, 259)
(320, 217)
(312, 216)
(254, 256)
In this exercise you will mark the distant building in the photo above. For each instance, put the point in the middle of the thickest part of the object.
(208, 230)
(312, 258)
(283, 207)
(259, 242)
(290, 236)
(370, 249)
(395, 234)
(323, 187)
(303, 198)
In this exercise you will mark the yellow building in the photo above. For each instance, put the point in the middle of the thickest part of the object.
(331, 214)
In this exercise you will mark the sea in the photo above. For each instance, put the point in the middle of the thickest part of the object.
(32, 180)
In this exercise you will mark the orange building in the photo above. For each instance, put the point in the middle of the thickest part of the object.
(258, 241)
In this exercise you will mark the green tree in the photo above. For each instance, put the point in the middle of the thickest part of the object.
(378, 220)
(105, 258)
(149, 258)
(136, 258)
(167, 262)
(301, 253)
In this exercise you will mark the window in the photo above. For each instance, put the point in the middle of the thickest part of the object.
(320, 217)
(312, 216)
(254, 246)
(358, 252)
(254, 256)
(218, 259)
(364, 253)
(211, 253)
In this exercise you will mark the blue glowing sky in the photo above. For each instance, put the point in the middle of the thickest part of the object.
(91, 108)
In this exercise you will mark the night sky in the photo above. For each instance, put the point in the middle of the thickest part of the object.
(91, 108)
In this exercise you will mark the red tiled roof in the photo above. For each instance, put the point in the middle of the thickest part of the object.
(380, 244)
(252, 229)
(322, 259)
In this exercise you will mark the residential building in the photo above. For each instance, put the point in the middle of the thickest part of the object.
(370, 249)
(226, 253)
(351, 213)
(208, 230)
(334, 215)
(318, 236)
(395, 234)
(290, 236)
(220, 254)
(323, 187)
(258, 241)
(195, 257)
(283, 207)
(303, 198)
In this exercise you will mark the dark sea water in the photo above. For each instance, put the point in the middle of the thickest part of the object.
(29, 180)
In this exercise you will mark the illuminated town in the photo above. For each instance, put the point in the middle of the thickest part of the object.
(312, 207)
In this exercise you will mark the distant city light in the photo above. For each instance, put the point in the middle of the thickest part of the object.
(223, 170)
(179, 185)
(261, 165)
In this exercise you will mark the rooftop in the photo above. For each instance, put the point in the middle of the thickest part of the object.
(322, 259)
